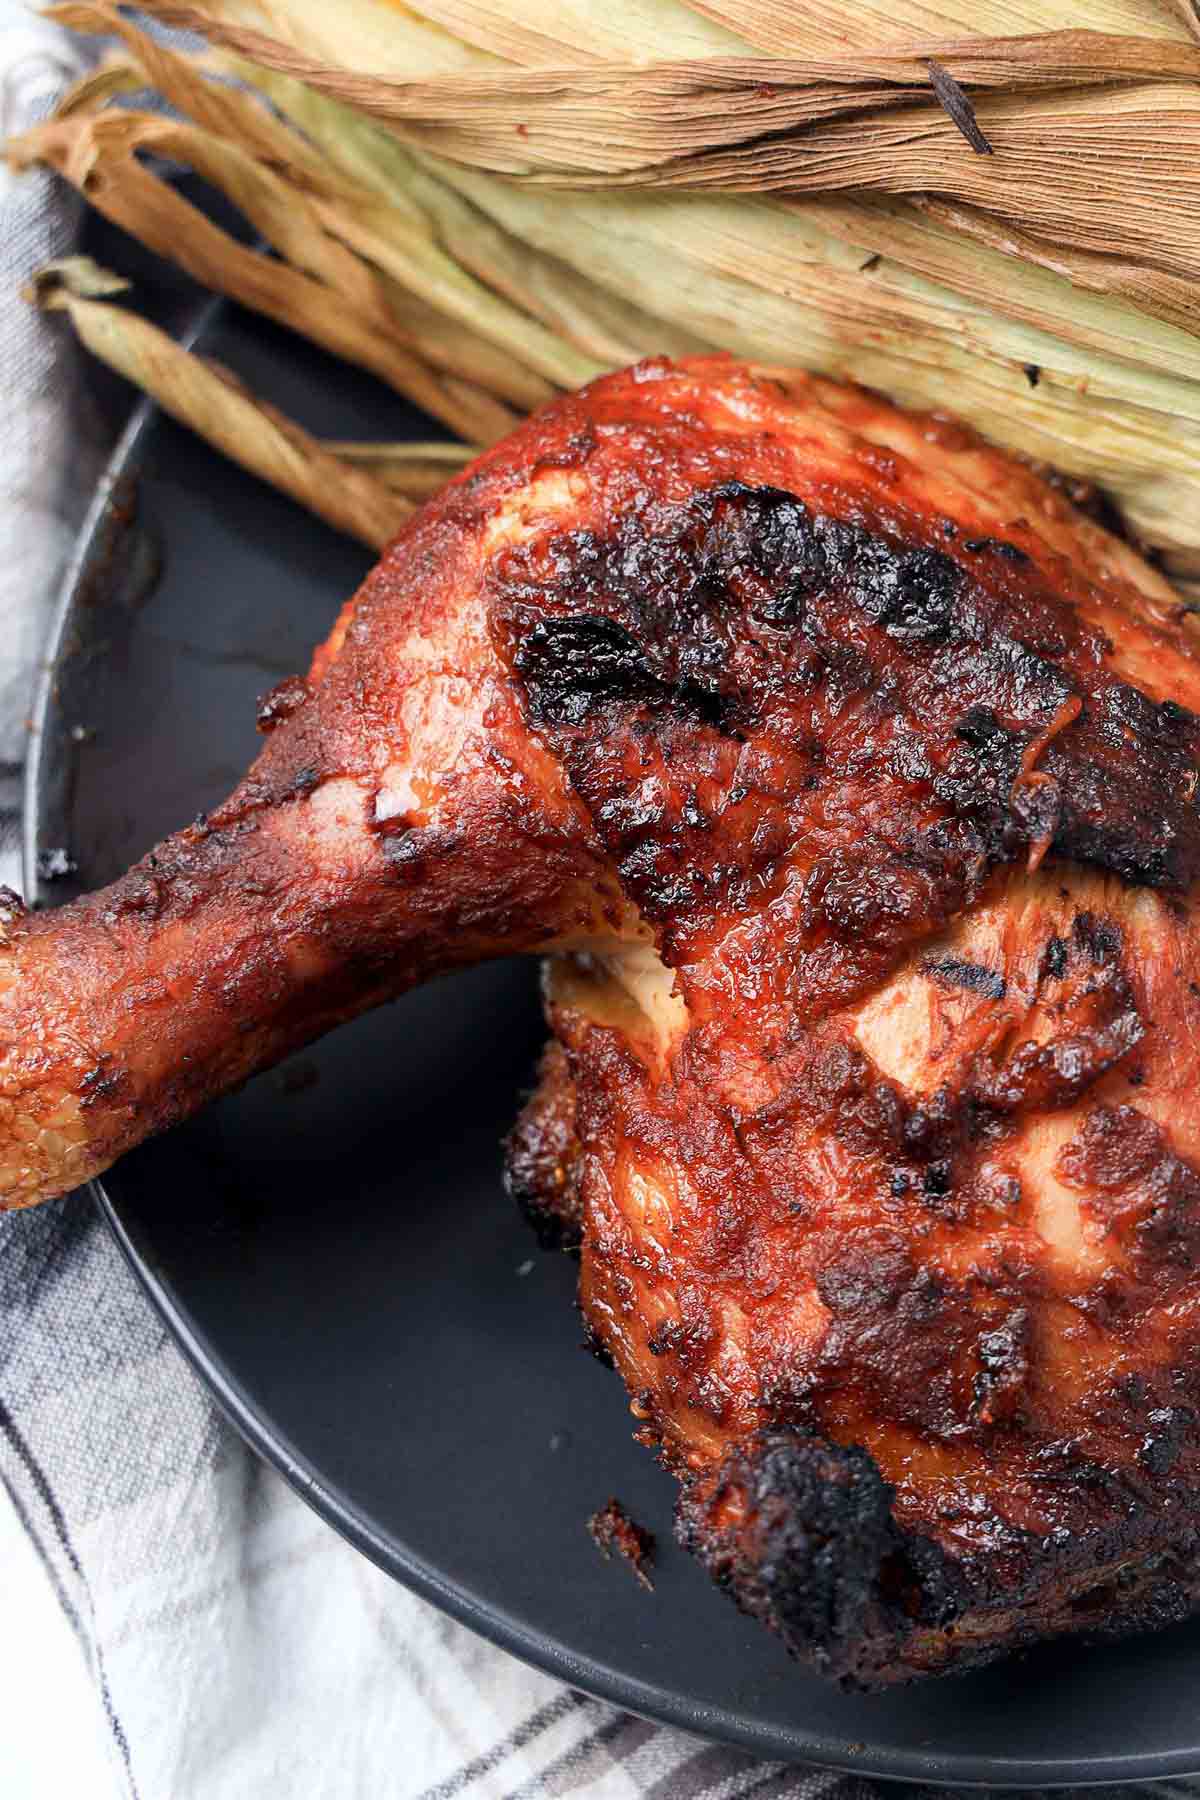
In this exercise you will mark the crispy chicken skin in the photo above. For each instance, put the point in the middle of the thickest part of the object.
(850, 777)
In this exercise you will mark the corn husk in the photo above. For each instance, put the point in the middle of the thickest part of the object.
(393, 239)
(604, 325)
(1045, 293)
(209, 399)
(366, 490)
(323, 292)
(1097, 138)
(398, 40)
(414, 470)
(758, 278)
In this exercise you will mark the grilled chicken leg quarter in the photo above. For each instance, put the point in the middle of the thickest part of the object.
(849, 777)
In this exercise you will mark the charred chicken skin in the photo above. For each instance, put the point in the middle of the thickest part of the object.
(848, 777)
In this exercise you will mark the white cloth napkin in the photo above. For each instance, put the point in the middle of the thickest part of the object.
(240, 1649)
(36, 455)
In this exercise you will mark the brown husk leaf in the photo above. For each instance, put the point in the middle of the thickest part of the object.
(329, 294)
(415, 470)
(216, 405)
(1097, 136)
(944, 297)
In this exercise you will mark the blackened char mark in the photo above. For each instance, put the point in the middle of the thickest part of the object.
(1127, 780)
(1055, 959)
(689, 583)
(799, 1532)
(995, 547)
(842, 647)
(911, 592)
(573, 667)
(952, 971)
(1100, 938)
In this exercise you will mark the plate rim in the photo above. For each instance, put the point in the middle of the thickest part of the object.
(601, 1680)
(659, 1704)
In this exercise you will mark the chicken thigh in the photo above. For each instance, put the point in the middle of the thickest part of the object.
(848, 778)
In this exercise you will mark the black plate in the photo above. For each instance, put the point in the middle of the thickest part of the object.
(332, 1247)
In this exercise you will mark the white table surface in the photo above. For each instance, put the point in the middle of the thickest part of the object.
(52, 1744)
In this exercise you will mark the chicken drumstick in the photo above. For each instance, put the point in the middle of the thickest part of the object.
(849, 776)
